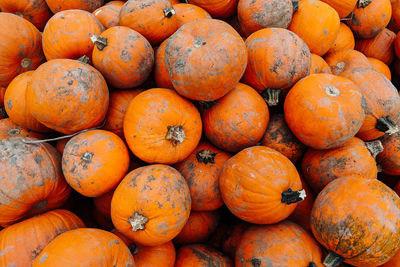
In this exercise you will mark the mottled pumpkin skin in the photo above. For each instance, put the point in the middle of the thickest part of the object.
(381, 67)
(202, 256)
(344, 40)
(187, 12)
(282, 244)
(278, 58)
(85, 247)
(31, 179)
(252, 183)
(217, 8)
(21, 48)
(67, 95)
(36, 11)
(342, 7)
(319, 65)
(64, 37)
(389, 159)
(345, 60)
(161, 75)
(202, 65)
(60, 5)
(146, 124)
(324, 110)
(9, 129)
(359, 219)
(23, 241)
(202, 175)
(160, 194)
(108, 14)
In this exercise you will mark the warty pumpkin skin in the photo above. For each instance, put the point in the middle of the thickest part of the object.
(260, 185)
(187, 12)
(60, 5)
(359, 220)
(389, 159)
(324, 111)
(31, 179)
(9, 129)
(319, 65)
(161, 75)
(382, 100)
(21, 48)
(85, 247)
(201, 170)
(346, 59)
(217, 8)
(108, 14)
(151, 205)
(381, 67)
(160, 120)
(344, 40)
(278, 58)
(200, 255)
(67, 95)
(36, 11)
(202, 65)
(354, 157)
(23, 241)
(64, 36)
(282, 244)
(237, 120)
(342, 7)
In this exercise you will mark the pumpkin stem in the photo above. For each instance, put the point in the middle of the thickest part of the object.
(289, 196)
(99, 42)
(374, 147)
(363, 3)
(295, 4)
(332, 91)
(312, 264)
(26, 63)
(207, 104)
(386, 125)
(175, 134)
(333, 259)
(206, 156)
(13, 132)
(138, 222)
(84, 59)
(169, 12)
(271, 96)
(87, 157)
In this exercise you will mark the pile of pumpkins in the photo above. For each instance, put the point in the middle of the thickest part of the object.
(199, 133)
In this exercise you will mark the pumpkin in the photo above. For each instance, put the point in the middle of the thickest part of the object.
(108, 14)
(60, 5)
(345, 60)
(354, 157)
(60, 145)
(389, 159)
(187, 12)
(382, 103)
(154, 19)
(67, 95)
(312, 106)
(94, 162)
(23, 241)
(85, 247)
(31, 179)
(317, 24)
(379, 47)
(217, 8)
(232, 238)
(119, 102)
(279, 137)
(380, 67)
(202, 65)
(394, 23)
(21, 48)
(202, 256)
(358, 221)
(344, 40)
(278, 58)
(103, 203)
(282, 244)
(370, 17)
(319, 65)
(64, 37)
(161, 120)
(343, 7)
(151, 205)
(16, 105)
(36, 11)
(9, 129)
(260, 185)
(161, 75)
(201, 170)
(255, 15)
(234, 131)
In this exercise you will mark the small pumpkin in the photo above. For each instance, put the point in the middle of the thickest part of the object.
(202, 256)
(187, 12)
(319, 65)
(217, 8)
(346, 59)
(343, 7)
(381, 67)
(108, 14)
(60, 5)
(344, 40)
(9, 129)
(389, 159)
(161, 75)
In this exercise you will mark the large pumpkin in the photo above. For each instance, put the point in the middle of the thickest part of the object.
(389, 159)
(9, 129)
(343, 7)
(217, 8)
(200, 255)
(31, 179)
(108, 14)
(344, 40)
(346, 59)
(60, 5)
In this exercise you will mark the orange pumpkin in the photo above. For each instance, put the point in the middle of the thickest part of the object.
(9, 129)
(202, 65)
(233, 132)
(64, 36)
(31, 179)
(317, 24)
(186, 13)
(344, 40)
(60, 5)
(380, 67)
(23, 241)
(85, 247)
(319, 65)
(389, 159)
(159, 119)
(202, 256)
(108, 14)
(67, 96)
(344, 60)
(151, 205)
(21, 48)
(217, 8)
(343, 7)
(260, 185)
(161, 75)
(312, 106)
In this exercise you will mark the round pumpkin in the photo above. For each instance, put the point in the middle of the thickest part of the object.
(67, 95)
(381, 67)
(108, 14)
(201, 256)
(324, 111)
(161, 120)
(346, 59)
(9, 129)
(389, 159)
(187, 12)
(161, 75)
(358, 220)
(343, 7)
(319, 65)
(60, 5)
(202, 65)
(217, 8)
(344, 40)
(64, 36)
(151, 205)
(31, 179)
